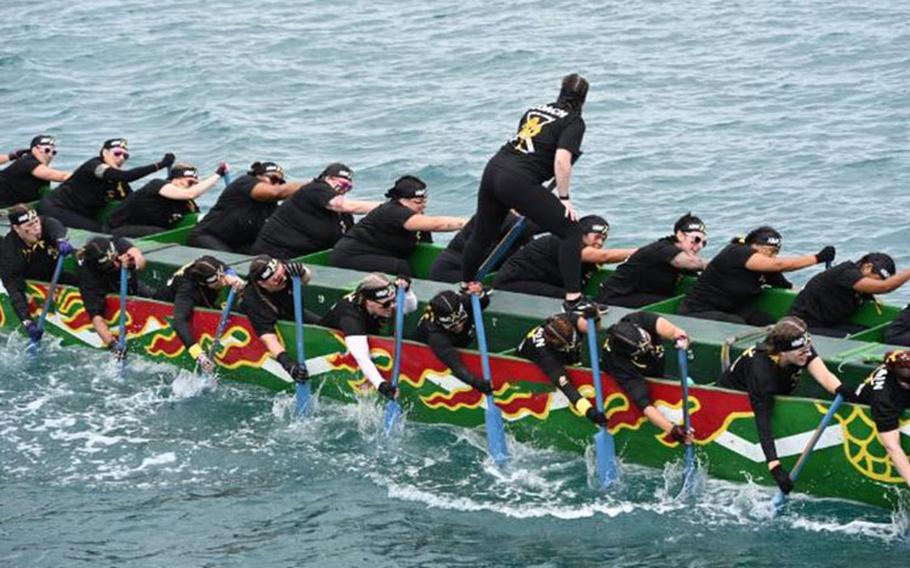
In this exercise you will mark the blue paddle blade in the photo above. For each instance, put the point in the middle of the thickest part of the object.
(392, 416)
(605, 454)
(496, 433)
(779, 499)
(303, 399)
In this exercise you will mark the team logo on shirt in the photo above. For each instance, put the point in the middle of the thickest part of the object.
(530, 128)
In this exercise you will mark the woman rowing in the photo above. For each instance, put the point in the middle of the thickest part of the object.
(651, 274)
(198, 283)
(390, 233)
(160, 204)
(100, 261)
(30, 252)
(30, 172)
(738, 274)
(548, 139)
(633, 351)
(535, 268)
(772, 368)
(363, 312)
(313, 218)
(78, 201)
(447, 325)
(269, 298)
(887, 392)
(556, 344)
(831, 297)
(233, 224)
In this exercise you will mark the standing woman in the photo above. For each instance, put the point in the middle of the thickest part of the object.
(98, 181)
(548, 139)
(160, 204)
(384, 239)
(650, 275)
(22, 181)
(738, 274)
(233, 224)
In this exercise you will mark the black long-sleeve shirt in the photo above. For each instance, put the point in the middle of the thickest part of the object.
(551, 361)
(19, 261)
(187, 292)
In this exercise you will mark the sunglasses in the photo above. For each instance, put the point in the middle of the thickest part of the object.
(275, 180)
(49, 150)
(192, 181)
(121, 153)
(344, 185)
(386, 304)
(699, 240)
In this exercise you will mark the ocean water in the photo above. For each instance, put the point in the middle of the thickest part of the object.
(793, 114)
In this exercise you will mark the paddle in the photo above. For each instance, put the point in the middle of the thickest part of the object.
(689, 467)
(502, 247)
(496, 436)
(604, 448)
(58, 269)
(779, 497)
(121, 341)
(302, 390)
(222, 323)
(393, 409)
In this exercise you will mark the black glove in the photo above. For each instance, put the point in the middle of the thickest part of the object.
(221, 169)
(848, 394)
(387, 390)
(407, 281)
(596, 416)
(678, 434)
(825, 255)
(167, 161)
(482, 386)
(16, 154)
(31, 328)
(115, 349)
(782, 477)
(297, 371)
(298, 269)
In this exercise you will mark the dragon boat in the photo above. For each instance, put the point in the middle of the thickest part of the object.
(848, 462)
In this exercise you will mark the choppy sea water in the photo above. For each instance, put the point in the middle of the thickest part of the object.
(794, 114)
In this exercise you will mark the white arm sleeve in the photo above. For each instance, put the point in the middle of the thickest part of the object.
(410, 301)
(360, 349)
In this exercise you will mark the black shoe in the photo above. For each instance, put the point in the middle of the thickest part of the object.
(585, 308)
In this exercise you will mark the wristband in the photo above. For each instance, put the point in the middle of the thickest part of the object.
(564, 198)
(582, 406)
(195, 351)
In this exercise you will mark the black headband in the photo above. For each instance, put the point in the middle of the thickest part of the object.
(21, 217)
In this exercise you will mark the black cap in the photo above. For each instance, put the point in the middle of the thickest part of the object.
(626, 338)
(407, 187)
(689, 223)
(764, 236)
(594, 224)
(208, 269)
(182, 171)
(99, 251)
(375, 287)
(447, 308)
(337, 169)
(882, 264)
(21, 214)
(43, 140)
(115, 143)
(263, 267)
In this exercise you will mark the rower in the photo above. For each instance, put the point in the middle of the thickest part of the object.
(738, 274)
(887, 392)
(78, 200)
(233, 224)
(160, 204)
(773, 367)
(313, 218)
(30, 251)
(633, 351)
(198, 283)
(363, 312)
(447, 324)
(548, 139)
(898, 331)
(270, 298)
(386, 237)
(30, 172)
(651, 274)
(99, 275)
(447, 266)
(831, 297)
(555, 344)
(535, 268)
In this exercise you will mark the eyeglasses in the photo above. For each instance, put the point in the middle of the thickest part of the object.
(699, 240)
(344, 185)
(121, 153)
(276, 180)
(49, 150)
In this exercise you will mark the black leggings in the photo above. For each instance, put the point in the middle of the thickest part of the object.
(69, 218)
(281, 253)
(135, 231)
(199, 239)
(836, 330)
(446, 268)
(896, 336)
(747, 316)
(632, 300)
(370, 263)
(535, 287)
(501, 190)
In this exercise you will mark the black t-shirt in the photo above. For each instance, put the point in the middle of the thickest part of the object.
(542, 130)
(86, 192)
(236, 217)
(19, 262)
(551, 361)
(647, 271)
(382, 232)
(756, 372)
(886, 397)
(95, 284)
(17, 184)
(303, 223)
(264, 308)
(186, 290)
(538, 261)
(351, 318)
(829, 297)
(146, 206)
(630, 372)
(444, 342)
(727, 285)
(898, 327)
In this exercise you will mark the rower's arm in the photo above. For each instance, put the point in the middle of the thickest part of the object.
(426, 223)
(605, 256)
(103, 331)
(657, 418)
(50, 174)
(267, 192)
(763, 407)
(109, 173)
(444, 350)
(339, 204)
(562, 169)
(892, 442)
(270, 340)
(868, 285)
(171, 191)
(183, 311)
(823, 375)
(761, 263)
(360, 349)
(688, 261)
(667, 330)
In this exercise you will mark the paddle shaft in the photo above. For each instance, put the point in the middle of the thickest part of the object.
(496, 438)
(124, 280)
(605, 452)
(301, 390)
(804, 457)
(399, 332)
(58, 269)
(683, 359)
(222, 323)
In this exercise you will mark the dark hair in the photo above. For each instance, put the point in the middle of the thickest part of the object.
(781, 336)
(761, 236)
(881, 263)
(574, 91)
(689, 222)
